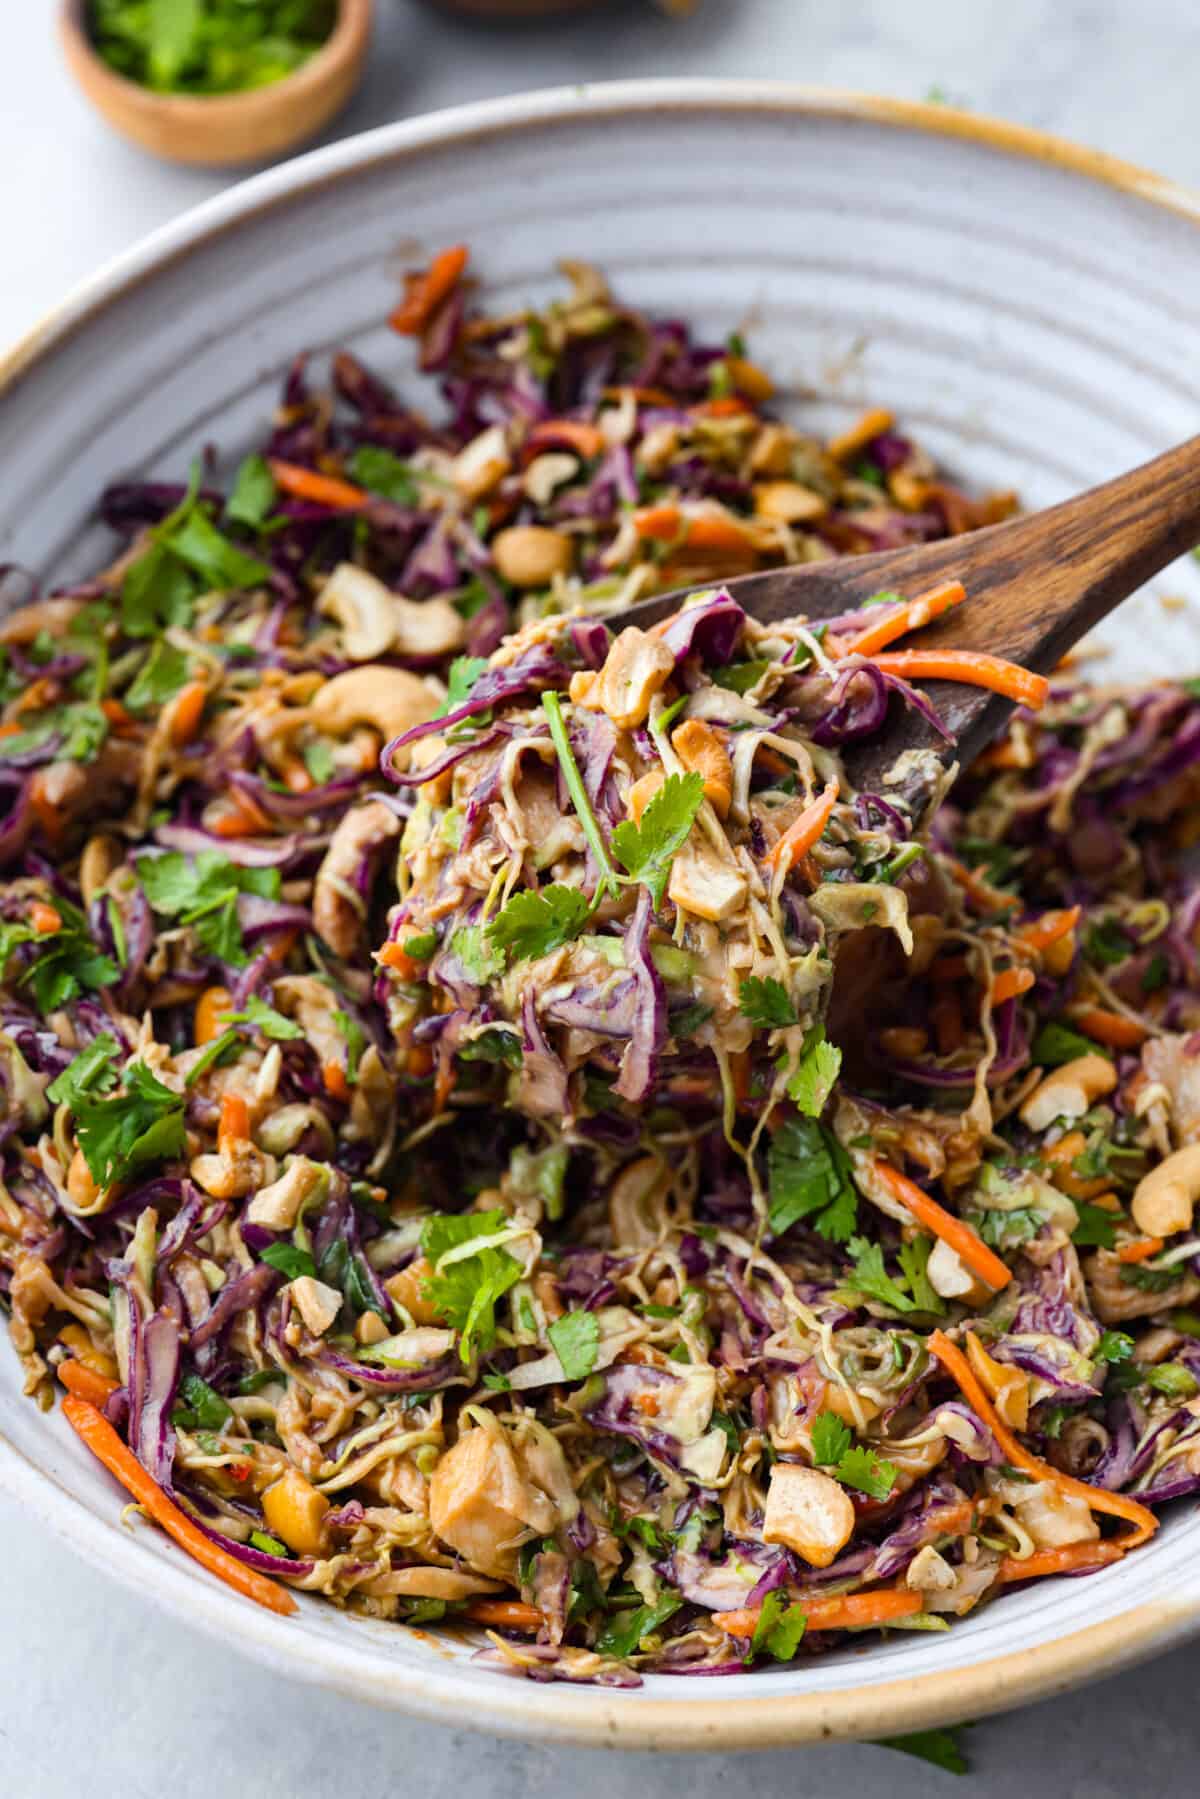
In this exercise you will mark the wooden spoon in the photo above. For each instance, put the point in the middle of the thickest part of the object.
(1035, 586)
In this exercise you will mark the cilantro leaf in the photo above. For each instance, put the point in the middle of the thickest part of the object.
(73, 733)
(1172, 1379)
(534, 924)
(914, 1260)
(941, 1747)
(65, 962)
(202, 891)
(812, 1080)
(290, 1260)
(740, 677)
(92, 1071)
(1106, 944)
(1148, 1279)
(497, 1044)
(871, 1278)
(574, 1339)
(1057, 1043)
(779, 1629)
(422, 947)
(140, 1125)
(1114, 1346)
(464, 1290)
(464, 672)
(624, 1632)
(195, 541)
(866, 1472)
(383, 473)
(163, 673)
(646, 850)
(1095, 1227)
(831, 1438)
(810, 1177)
(155, 592)
(253, 493)
(202, 1407)
(265, 1019)
(766, 1002)
(480, 962)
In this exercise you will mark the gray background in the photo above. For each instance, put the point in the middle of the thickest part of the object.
(99, 1693)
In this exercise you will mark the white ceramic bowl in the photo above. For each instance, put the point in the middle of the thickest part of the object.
(1027, 308)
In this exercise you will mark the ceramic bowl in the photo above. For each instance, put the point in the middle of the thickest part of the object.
(222, 129)
(1027, 308)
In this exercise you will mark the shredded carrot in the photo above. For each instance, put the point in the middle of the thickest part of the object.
(1140, 1250)
(709, 531)
(906, 618)
(840, 1611)
(508, 1614)
(397, 958)
(86, 1383)
(661, 524)
(804, 831)
(1042, 932)
(1069, 1558)
(241, 819)
(234, 1124)
(962, 1239)
(336, 1084)
(296, 777)
(44, 919)
(987, 898)
(973, 667)
(1010, 983)
(1114, 1505)
(725, 406)
(322, 490)
(212, 1006)
(90, 1424)
(586, 440)
(425, 289)
(1002, 755)
(1110, 1028)
(187, 711)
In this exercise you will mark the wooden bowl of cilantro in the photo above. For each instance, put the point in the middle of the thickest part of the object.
(216, 81)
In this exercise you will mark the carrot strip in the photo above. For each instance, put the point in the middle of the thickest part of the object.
(187, 711)
(1070, 1558)
(1050, 928)
(708, 531)
(211, 1007)
(444, 1084)
(396, 957)
(1111, 1028)
(425, 290)
(44, 919)
(661, 524)
(86, 1383)
(234, 1124)
(974, 667)
(804, 831)
(987, 898)
(1010, 983)
(840, 1611)
(1114, 1505)
(962, 1239)
(508, 1614)
(587, 440)
(725, 406)
(336, 1085)
(909, 617)
(322, 490)
(97, 1433)
(1140, 1250)
(122, 723)
(243, 819)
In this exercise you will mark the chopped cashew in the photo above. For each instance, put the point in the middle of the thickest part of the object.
(1054, 1518)
(407, 1289)
(316, 1303)
(704, 884)
(636, 667)
(428, 628)
(789, 502)
(700, 749)
(809, 1512)
(1166, 1197)
(101, 856)
(484, 461)
(1069, 1091)
(546, 473)
(295, 1512)
(950, 1276)
(278, 1206)
(929, 1572)
(531, 555)
(364, 608)
(390, 699)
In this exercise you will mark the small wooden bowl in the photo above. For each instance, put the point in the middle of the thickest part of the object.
(224, 128)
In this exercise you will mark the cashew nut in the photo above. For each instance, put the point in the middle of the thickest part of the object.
(316, 1303)
(1069, 1091)
(546, 473)
(789, 503)
(950, 1276)
(634, 669)
(703, 884)
(390, 699)
(484, 461)
(428, 628)
(364, 608)
(277, 1207)
(531, 555)
(808, 1512)
(102, 854)
(1166, 1197)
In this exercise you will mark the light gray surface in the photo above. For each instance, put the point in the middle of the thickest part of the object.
(100, 1693)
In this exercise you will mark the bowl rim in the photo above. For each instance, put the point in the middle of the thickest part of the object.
(345, 43)
(440, 1690)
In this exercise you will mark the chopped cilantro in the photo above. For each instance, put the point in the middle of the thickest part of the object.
(464, 1291)
(464, 672)
(92, 1071)
(534, 924)
(574, 1339)
(1114, 1346)
(290, 1260)
(201, 1407)
(913, 1258)
(266, 1019)
(121, 1134)
(646, 850)
(253, 493)
(811, 1081)
(871, 1279)
(162, 674)
(1057, 1043)
(779, 1629)
(852, 1464)
(766, 1002)
(624, 1632)
(318, 760)
(810, 1178)
(383, 473)
(941, 1747)
(1095, 1227)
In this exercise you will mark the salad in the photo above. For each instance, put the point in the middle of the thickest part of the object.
(496, 1129)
